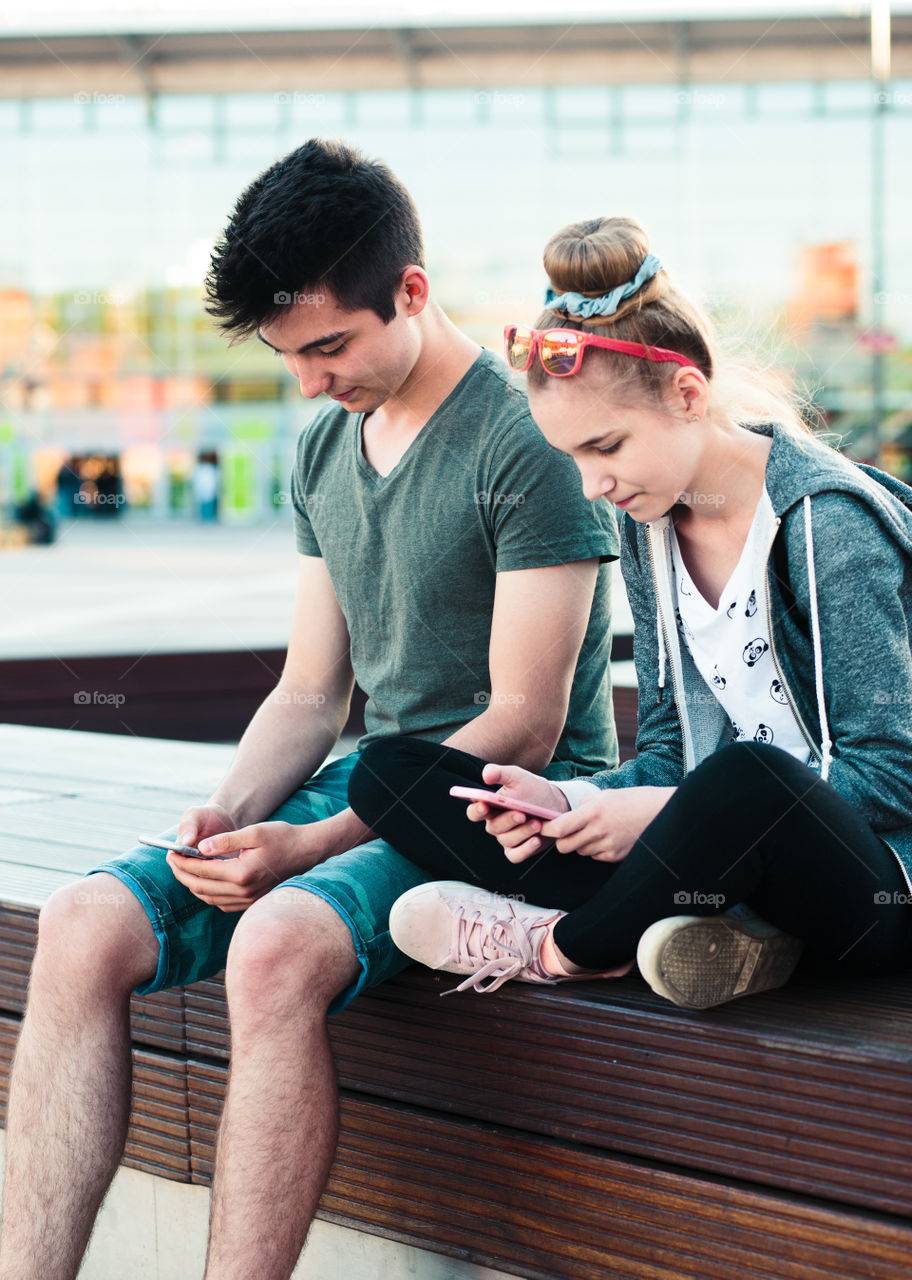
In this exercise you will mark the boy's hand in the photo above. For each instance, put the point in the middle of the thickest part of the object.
(204, 820)
(258, 858)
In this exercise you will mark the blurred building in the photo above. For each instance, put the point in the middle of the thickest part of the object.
(744, 143)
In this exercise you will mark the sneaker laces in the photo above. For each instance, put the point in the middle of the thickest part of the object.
(502, 943)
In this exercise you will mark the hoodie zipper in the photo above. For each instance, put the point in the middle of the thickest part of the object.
(815, 750)
(668, 663)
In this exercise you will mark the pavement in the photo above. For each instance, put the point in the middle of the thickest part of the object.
(119, 586)
(134, 585)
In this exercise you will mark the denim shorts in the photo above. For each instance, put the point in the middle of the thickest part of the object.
(360, 885)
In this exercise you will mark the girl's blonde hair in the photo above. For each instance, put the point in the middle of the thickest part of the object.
(597, 255)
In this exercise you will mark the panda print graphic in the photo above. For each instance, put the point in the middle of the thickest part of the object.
(730, 646)
(754, 651)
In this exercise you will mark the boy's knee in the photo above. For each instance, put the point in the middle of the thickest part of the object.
(96, 930)
(291, 952)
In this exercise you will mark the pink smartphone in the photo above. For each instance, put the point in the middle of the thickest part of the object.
(497, 802)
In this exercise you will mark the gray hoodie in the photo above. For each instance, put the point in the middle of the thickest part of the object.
(839, 583)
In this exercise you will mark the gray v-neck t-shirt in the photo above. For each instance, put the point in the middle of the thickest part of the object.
(413, 557)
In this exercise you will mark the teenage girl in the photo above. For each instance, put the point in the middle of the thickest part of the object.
(771, 586)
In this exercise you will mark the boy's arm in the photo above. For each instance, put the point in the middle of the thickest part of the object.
(539, 622)
(537, 630)
(297, 725)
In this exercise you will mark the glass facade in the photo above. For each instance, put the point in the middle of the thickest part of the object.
(106, 351)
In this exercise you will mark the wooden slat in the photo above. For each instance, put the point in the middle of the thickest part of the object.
(18, 935)
(63, 816)
(158, 1020)
(158, 1140)
(541, 1209)
(15, 795)
(22, 885)
(807, 1088)
(193, 696)
(75, 757)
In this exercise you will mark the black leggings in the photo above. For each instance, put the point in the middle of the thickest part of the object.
(749, 825)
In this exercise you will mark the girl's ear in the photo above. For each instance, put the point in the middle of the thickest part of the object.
(690, 392)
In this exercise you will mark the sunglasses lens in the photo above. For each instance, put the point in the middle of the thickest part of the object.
(559, 351)
(519, 348)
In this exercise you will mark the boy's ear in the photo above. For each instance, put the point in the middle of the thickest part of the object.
(416, 287)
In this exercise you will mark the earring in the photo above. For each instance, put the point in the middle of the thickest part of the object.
(694, 417)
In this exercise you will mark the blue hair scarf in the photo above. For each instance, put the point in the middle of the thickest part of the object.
(583, 308)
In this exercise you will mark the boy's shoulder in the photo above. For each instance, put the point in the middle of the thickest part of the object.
(492, 387)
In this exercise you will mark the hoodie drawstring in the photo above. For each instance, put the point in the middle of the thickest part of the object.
(826, 741)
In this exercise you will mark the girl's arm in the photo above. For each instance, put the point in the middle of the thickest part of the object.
(864, 592)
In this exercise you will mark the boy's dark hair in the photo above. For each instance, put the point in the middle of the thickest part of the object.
(321, 217)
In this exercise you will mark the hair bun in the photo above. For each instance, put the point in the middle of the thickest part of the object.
(595, 256)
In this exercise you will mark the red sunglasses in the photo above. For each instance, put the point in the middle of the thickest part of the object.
(561, 350)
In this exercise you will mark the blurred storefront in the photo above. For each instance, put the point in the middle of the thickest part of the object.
(745, 147)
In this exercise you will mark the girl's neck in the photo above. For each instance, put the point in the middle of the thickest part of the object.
(728, 482)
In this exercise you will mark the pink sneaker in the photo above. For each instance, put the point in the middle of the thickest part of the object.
(460, 928)
(465, 929)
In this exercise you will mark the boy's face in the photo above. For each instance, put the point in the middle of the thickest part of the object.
(351, 356)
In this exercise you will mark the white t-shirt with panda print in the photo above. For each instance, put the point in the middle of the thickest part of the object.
(730, 645)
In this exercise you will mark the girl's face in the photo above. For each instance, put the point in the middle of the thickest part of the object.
(641, 458)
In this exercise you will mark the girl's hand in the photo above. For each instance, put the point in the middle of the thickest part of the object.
(515, 830)
(608, 827)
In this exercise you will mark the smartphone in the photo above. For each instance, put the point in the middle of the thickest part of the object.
(500, 802)
(184, 849)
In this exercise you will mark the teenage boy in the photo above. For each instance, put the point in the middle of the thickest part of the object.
(450, 563)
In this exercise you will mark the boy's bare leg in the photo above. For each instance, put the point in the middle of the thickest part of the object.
(70, 1088)
(290, 955)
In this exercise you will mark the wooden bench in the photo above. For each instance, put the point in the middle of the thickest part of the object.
(573, 1132)
(196, 695)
